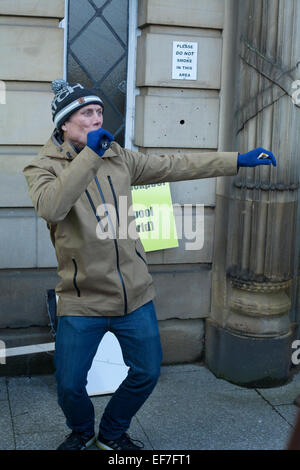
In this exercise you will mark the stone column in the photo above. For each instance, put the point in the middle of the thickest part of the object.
(180, 116)
(249, 332)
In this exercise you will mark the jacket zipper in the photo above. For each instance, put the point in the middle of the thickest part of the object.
(115, 241)
(117, 211)
(74, 277)
(94, 208)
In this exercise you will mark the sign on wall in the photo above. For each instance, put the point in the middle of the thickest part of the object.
(184, 63)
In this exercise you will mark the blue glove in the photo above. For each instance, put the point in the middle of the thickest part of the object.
(259, 156)
(99, 141)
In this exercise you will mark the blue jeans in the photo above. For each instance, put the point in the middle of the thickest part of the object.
(77, 341)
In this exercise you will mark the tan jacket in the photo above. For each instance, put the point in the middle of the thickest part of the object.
(103, 277)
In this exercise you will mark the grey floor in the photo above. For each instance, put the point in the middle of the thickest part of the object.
(189, 409)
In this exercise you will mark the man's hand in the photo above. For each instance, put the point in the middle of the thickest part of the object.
(259, 156)
(99, 141)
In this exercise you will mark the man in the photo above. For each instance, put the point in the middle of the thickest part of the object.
(105, 284)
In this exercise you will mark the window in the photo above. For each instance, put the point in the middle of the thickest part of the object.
(97, 49)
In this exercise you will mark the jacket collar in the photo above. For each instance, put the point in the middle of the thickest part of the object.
(54, 147)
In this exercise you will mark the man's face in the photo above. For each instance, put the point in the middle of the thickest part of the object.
(86, 119)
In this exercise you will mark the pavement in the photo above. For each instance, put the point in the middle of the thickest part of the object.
(190, 409)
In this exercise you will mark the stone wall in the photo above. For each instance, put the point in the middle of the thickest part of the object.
(31, 56)
(171, 116)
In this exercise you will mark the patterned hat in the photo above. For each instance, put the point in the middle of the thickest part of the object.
(68, 99)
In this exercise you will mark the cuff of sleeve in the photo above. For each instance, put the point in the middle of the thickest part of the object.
(230, 165)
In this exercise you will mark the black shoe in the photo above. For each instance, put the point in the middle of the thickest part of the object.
(123, 442)
(77, 441)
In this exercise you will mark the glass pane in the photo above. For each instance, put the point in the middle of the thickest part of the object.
(97, 49)
(97, 55)
(112, 15)
(76, 20)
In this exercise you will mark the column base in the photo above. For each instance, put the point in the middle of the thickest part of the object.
(248, 361)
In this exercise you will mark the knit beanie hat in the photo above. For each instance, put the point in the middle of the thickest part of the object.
(68, 99)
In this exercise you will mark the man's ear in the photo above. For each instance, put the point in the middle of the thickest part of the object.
(63, 127)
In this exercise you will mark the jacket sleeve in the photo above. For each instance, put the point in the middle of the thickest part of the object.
(54, 195)
(147, 169)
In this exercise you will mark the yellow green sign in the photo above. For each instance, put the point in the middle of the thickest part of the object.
(153, 210)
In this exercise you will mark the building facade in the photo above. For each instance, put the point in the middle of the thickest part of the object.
(234, 301)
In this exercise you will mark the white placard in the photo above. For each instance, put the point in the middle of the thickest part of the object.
(184, 64)
(108, 368)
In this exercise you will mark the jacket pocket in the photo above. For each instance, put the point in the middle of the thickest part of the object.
(75, 277)
(140, 256)
(115, 198)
